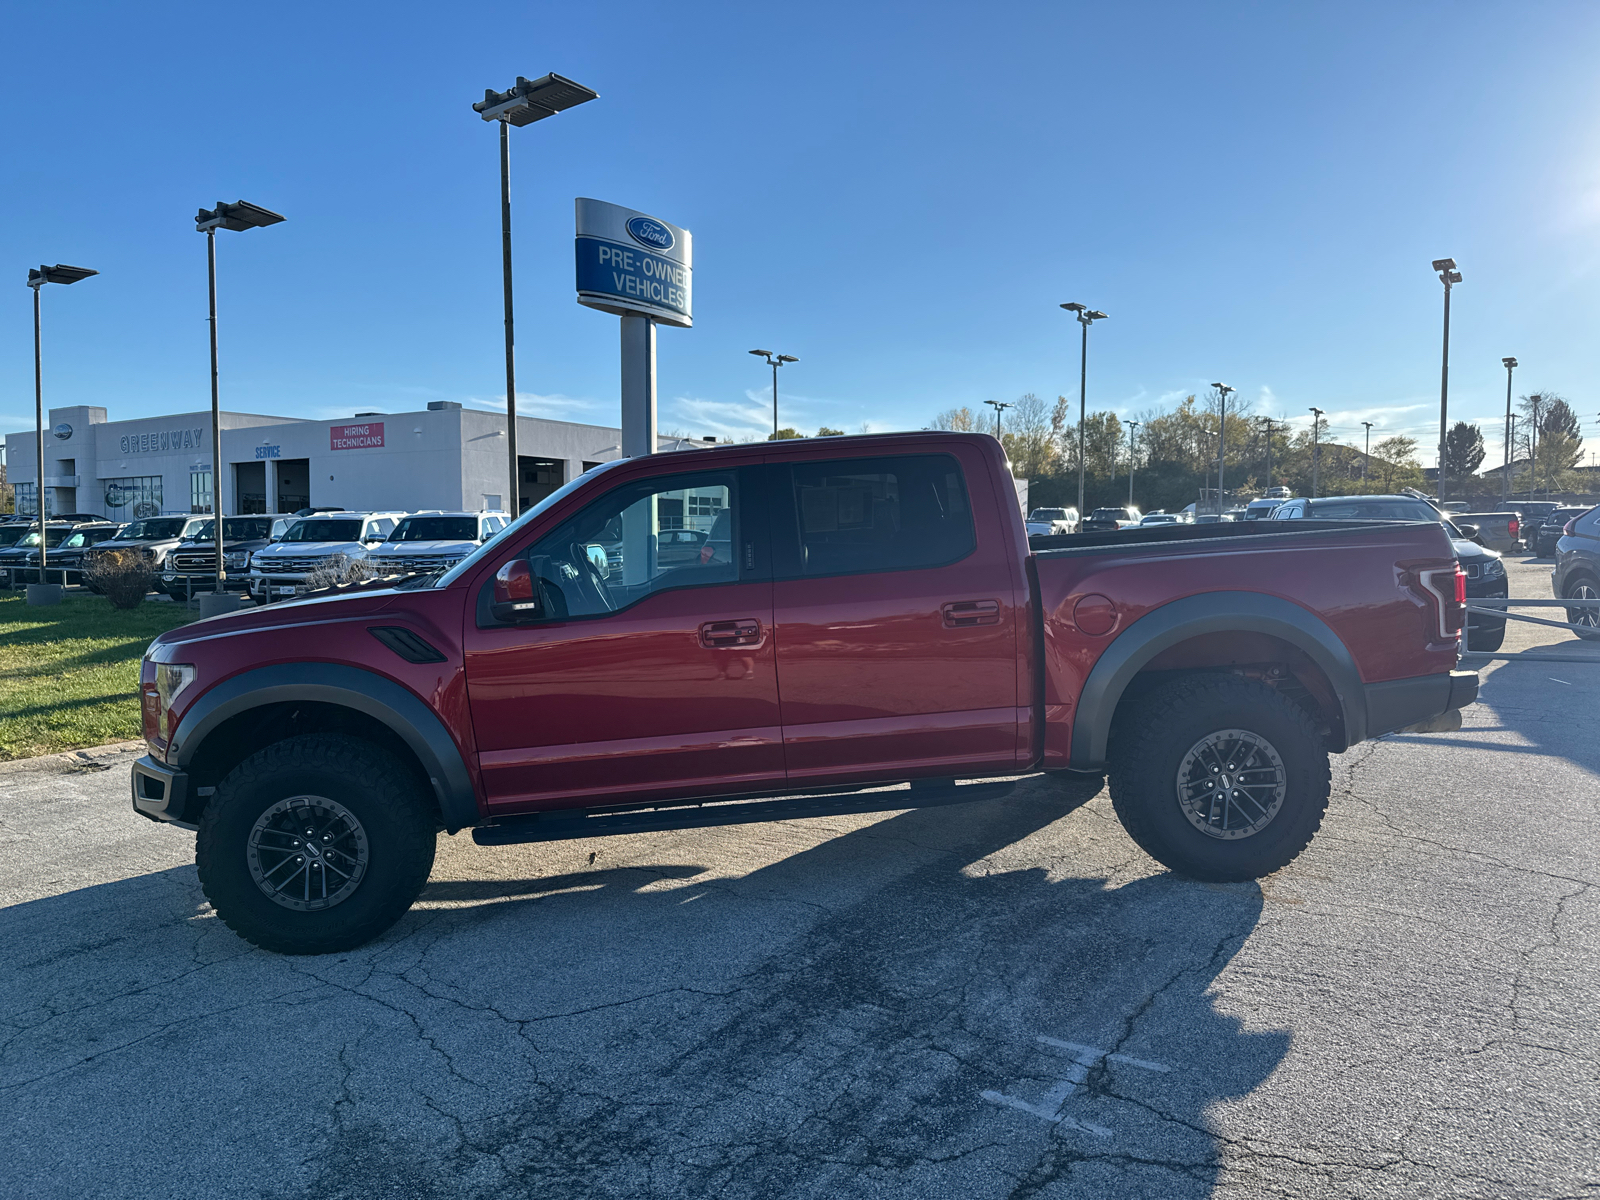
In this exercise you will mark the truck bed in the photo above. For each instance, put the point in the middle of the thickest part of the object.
(1301, 604)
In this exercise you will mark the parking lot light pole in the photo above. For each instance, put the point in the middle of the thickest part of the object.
(1268, 420)
(1222, 435)
(775, 361)
(1132, 425)
(525, 102)
(238, 216)
(1367, 457)
(1086, 316)
(60, 273)
(999, 407)
(1505, 473)
(1316, 448)
(1449, 276)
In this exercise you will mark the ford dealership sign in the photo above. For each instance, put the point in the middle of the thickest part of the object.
(631, 262)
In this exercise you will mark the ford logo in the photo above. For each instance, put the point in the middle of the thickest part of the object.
(648, 231)
(63, 431)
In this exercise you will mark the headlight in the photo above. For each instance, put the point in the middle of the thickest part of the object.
(1493, 569)
(238, 561)
(158, 695)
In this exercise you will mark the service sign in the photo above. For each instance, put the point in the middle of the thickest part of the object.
(631, 262)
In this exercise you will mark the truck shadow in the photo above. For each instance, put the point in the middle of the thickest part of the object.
(943, 1001)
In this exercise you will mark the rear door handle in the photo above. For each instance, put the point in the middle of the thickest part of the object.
(720, 635)
(960, 614)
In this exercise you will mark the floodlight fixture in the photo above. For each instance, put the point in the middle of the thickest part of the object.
(1508, 363)
(1444, 264)
(1074, 306)
(787, 358)
(1094, 314)
(60, 273)
(528, 101)
(767, 353)
(238, 216)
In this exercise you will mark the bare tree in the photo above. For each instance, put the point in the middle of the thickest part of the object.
(958, 420)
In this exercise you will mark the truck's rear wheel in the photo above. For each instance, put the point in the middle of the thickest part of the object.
(315, 844)
(1219, 778)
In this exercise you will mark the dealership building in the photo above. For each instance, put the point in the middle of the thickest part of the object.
(444, 457)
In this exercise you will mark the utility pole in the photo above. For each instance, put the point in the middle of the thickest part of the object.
(1505, 474)
(999, 407)
(1132, 425)
(1316, 448)
(1367, 457)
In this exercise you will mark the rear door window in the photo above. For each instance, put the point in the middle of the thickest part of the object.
(856, 515)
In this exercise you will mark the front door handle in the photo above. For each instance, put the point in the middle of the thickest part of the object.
(961, 614)
(722, 635)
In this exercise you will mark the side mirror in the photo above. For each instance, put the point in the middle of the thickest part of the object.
(516, 596)
(1468, 531)
(597, 555)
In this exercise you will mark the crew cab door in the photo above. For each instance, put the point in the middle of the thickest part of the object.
(650, 671)
(895, 606)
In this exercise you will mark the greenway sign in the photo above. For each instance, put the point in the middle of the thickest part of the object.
(630, 262)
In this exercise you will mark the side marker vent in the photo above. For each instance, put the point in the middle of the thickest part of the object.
(406, 644)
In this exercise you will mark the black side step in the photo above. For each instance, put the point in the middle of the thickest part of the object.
(565, 823)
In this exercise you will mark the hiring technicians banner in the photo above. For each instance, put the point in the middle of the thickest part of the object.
(630, 262)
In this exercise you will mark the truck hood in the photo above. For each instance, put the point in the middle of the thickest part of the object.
(1465, 550)
(352, 606)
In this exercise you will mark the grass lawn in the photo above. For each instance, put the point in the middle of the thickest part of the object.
(69, 674)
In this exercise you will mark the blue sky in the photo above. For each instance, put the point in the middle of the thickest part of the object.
(899, 194)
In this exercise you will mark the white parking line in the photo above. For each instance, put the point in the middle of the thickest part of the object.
(1084, 1059)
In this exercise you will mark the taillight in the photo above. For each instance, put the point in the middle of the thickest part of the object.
(1447, 587)
(1513, 527)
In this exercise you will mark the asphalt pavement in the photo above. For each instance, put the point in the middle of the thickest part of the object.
(999, 999)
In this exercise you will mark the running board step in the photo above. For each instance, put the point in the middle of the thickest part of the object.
(565, 823)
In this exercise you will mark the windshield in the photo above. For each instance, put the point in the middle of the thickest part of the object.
(319, 529)
(436, 529)
(1111, 514)
(234, 529)
(152, 529)
(533, 514)
(1048, 514)
(53, 538)
(1372, 510)
(11, 534)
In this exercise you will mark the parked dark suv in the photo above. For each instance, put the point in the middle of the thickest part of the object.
(1542, 539)
(192, 565)
(1577, 573)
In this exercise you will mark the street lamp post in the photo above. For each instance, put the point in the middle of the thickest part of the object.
(1536, 400)
(1086, 316)
(523, 103)
(1366, 457)
(1268, 420)
(775, 361)
(1132, 425)
(60, 273)
(1449, 276)
(238, 216)
(1222, 435)
(1316, 448)
(999, 407)
(1505, 473)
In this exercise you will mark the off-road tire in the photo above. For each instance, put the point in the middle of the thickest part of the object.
(1149, 746)
(396, 820)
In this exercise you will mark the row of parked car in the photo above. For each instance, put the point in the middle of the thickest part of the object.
(270, 557)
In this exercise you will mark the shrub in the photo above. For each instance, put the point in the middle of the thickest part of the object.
(338, 570)
(122, 576)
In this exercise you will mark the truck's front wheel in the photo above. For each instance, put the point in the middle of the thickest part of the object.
(315, 844)
(1218, 777)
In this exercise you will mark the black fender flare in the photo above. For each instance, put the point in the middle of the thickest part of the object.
(1194, 616)
(350, 687)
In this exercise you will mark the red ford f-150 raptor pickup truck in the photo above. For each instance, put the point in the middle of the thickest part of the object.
(777, 630)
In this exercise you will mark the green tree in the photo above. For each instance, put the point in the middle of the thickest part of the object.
(1030, 441)
(1463, 451)
(1395, 459)
(785, 434)
(826, 432)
